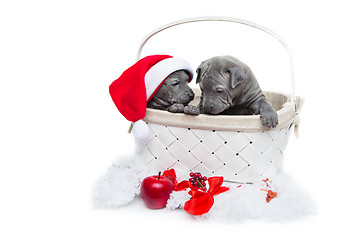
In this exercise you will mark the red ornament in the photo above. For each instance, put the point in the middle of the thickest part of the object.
(270, 195)
(155, 191)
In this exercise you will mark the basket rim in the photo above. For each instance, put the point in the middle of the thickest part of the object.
(243, 123)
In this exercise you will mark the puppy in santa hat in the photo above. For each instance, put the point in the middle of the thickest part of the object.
(174, 95)
(156, 81)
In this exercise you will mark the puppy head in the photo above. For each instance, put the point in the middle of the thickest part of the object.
(218, 79)
(175, 89)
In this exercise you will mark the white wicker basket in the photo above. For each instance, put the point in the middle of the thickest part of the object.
(238, 148)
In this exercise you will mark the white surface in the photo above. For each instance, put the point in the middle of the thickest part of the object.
(59, 129)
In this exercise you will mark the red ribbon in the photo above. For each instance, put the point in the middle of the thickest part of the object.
(171, 175)
(201, 201)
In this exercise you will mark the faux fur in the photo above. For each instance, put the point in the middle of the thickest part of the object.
(121, 184)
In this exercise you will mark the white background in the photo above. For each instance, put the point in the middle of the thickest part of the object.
(59, 129)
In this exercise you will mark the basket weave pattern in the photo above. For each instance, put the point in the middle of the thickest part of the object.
(236, 155)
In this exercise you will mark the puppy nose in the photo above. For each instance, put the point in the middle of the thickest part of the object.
(210, 107)
(190, 94)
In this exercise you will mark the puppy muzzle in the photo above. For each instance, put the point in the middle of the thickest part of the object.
(214, 107)
(186, 97)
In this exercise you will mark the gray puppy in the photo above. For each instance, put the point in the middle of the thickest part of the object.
(229, 86)
(174, 95)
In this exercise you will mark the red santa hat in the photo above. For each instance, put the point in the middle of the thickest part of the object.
(138, 84)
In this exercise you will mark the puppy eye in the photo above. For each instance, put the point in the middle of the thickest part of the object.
(175, 83)
(219, 90)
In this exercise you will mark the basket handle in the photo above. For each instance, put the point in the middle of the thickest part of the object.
(233, 20)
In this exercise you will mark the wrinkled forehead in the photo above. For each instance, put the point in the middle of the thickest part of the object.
(212, 74)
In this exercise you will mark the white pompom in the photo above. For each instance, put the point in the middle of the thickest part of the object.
(141, 131)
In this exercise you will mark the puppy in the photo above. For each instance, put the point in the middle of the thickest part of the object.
(229, 86)
(174, 95)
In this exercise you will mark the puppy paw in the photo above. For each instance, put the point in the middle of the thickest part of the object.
(191, 110)
(176, 108)
(269, 119)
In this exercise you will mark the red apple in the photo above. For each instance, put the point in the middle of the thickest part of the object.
(155, 191)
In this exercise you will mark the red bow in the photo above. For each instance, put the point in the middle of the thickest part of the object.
(201, 202)
(171, 175)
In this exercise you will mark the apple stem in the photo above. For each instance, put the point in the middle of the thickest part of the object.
(159, 175)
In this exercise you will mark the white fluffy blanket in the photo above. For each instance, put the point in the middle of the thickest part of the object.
(121, 184)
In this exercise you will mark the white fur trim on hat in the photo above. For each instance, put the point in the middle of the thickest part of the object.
(161, 70)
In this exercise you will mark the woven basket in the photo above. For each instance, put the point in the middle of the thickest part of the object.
(238, 148)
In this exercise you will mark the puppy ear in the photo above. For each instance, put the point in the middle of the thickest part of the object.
(198, 73)
(236, 75)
